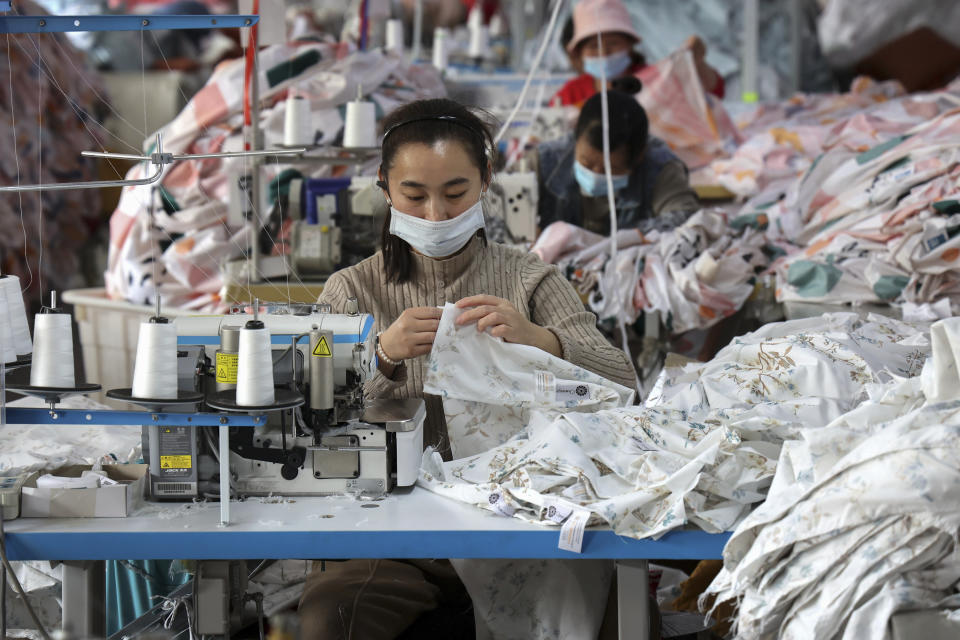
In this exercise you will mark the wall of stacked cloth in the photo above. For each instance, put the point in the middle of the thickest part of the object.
(51, 104)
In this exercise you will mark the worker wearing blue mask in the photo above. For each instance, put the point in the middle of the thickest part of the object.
(648, 179)
(604, 39)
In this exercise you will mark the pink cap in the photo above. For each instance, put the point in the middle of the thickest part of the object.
(591, 17)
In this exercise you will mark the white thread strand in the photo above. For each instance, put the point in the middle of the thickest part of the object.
(360, 128)
(255, 369)
(155, 370)
(52, 351)
(16, 314)
(7, 350)
(16, 159)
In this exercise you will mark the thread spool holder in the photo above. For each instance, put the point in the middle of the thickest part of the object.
(185, 400)
(283, 398)
(22, 361)
(51, 395)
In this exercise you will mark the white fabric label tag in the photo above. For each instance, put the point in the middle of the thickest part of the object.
(572, 391)
(558, 512)
(571, 533)
(545, 387)
(499, 505)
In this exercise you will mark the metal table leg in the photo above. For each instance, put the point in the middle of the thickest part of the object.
(84, 593)
(633, 599)
(224, 475)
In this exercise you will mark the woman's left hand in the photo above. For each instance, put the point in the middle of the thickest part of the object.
(502, 320)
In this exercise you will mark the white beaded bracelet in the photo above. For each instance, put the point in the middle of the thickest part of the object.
(383, 356)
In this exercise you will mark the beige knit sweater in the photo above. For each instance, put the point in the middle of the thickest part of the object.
(532, 286)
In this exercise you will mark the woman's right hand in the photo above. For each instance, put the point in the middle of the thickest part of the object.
(412, 334)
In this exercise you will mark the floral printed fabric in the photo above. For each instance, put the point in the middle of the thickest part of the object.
(862, 517)
(703, 448)
(695, 271)
(490, 388)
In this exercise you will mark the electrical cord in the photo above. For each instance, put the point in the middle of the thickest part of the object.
(16, 584)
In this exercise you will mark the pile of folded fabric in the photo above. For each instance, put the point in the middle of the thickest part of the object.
(879, 225)
(191, 235)
(694, 271)
(862, 518)
(702, 449)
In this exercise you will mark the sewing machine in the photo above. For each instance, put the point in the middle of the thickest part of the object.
(338, 442)
(330, 224)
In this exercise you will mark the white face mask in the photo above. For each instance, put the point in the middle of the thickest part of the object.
(437, 239)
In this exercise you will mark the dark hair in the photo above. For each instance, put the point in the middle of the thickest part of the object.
(566, 35)
(428, 122)
(628, 122)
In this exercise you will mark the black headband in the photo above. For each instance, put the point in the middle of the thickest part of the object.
(452, 119)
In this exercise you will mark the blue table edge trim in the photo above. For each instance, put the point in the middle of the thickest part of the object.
(225, 544)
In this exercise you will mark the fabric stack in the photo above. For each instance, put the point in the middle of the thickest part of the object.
(878, 226)
(862, 518)
(702, 450)
(191, 209)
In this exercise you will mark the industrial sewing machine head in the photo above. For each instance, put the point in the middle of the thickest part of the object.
(337, 442)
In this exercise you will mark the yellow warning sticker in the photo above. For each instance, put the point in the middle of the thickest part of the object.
(176, 462)
(322, 350)
(227, 367)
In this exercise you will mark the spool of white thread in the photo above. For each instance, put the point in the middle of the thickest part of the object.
(479, 42)
(475, 17)
(298, 122)
(255, 369)
(360, 128)
(17, 314)
(52, 351)
(7, 351)
(155, 370)
(395, 37)
(441, 48)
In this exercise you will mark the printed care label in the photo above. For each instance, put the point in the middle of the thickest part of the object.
(558, 512)
(571, 533)
(499, 505)
(548, 391)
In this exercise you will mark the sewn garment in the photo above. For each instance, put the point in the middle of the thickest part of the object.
(534, 288)
(862, 517)
(702, 449)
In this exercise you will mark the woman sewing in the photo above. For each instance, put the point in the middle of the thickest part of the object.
(435, 168)
(648, 179)
(605, 41)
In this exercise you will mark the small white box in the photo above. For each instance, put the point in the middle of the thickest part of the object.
(113, 501)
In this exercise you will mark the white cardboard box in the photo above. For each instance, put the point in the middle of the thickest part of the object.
(113, 501)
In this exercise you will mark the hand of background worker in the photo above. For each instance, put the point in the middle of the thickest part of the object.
(412, 334)
(696, 46)
(708, 75)
(501, 319)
